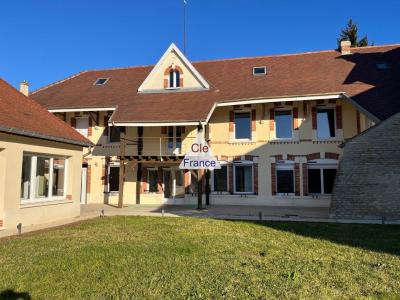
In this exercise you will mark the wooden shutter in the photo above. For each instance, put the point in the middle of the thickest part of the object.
(187, 181)
(255, 178)
(273, 179)
(305, 180)
(297, 179)
(105, 124)
(295, 118)
(253, 120)
(314, 117)
(339, 123)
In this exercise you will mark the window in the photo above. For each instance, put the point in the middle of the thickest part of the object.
(179, 177)
(243, 126)
(113, 179)
(174, 79)
(221, 179)
(114, 134)
(82, 125)
(259, 70)
(321, 178)
(26, 177)
(101, 81)
(284, 179)
(174, 141)
(382, 66)
(243, 178)
(325, 123)
(283, 124)
(43, 178)
(153, 180)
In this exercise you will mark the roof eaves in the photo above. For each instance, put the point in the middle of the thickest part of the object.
(32, 134)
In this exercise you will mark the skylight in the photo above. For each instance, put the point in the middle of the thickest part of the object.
(101, 81)
(259, 71)
(382, 66)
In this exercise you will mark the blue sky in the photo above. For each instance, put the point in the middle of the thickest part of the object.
(47, 40)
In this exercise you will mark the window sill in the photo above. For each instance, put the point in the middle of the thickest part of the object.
(241, 142)
(28, 204)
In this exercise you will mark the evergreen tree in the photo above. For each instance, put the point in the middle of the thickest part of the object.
(350, 33)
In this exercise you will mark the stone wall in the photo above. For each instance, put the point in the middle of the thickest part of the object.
(368, 179)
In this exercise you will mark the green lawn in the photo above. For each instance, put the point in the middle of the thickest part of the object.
(175, 258)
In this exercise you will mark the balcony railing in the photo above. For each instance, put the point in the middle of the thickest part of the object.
(153, 146)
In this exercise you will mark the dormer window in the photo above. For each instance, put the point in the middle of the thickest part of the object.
(174, 79)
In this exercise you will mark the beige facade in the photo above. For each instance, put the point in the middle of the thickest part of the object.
(24, 206)
(264, 150)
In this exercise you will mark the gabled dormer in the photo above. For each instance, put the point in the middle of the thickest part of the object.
(172, 73)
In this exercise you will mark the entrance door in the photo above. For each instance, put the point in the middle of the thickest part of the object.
(83, 185)
(167, 179)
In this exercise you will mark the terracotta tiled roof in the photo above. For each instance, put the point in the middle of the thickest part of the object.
(23, 116)
(314, 73)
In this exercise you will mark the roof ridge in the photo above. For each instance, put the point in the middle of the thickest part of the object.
(58, 82)
(376, 46)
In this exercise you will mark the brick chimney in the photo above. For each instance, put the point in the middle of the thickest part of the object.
(24, 87)
(345, 47)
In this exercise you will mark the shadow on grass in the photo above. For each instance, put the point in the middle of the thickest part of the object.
(378, 238)
(11, 295)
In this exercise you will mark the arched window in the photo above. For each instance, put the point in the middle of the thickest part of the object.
(174, 79)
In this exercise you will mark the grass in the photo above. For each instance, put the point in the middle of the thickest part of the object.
(176, 258)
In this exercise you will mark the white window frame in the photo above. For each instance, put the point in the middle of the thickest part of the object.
(225, 164)
(244, 111)
(174, 82)
(243, 163)
(100, 84)
(334, 123)
(260, 74)
(76, 124)
(32, 192)
(285, 166)
(111, 165)
(148, 181)
(291, 123)
(320, 164)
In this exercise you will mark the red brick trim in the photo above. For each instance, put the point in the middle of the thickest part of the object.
(297, 179)
(1, 223)
(255, 178)
(332, 101)
(313, 156)
(320, 102)
(88, 178)
(69, 197)
(329, 155)
(314, 117)
(271, 119)
(166, 83)
(230, 176)
(279, 157)
(273, 179)
(358, 121)
(289, 103)
(305, 180)
(247, 157)
(291, 157)
(277, 104)
(167, 70)
(144, 187)
(181, 82)
(231, 121)
(253, 120)
(339, 122)
(90, 126)
(295, 118)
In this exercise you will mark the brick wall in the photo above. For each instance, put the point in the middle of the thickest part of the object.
(368, 179)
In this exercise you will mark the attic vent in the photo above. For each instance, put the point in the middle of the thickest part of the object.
(101, 81)
(382, 66)
(259, 71)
